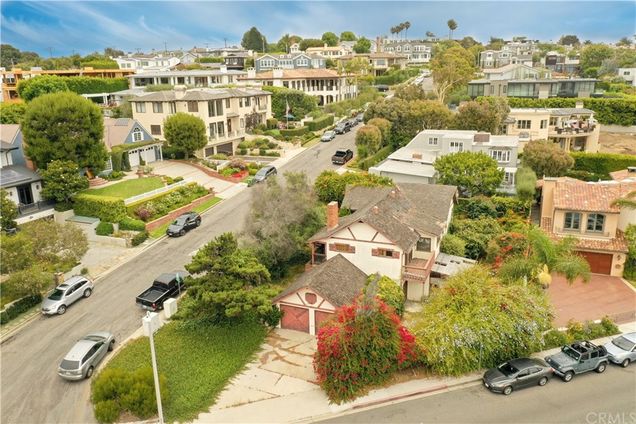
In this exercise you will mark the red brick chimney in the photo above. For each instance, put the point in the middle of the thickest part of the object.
(332, 215)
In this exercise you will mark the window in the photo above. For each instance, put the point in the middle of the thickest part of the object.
(157, 107)
(553, 121)
(193, 107)
(220, 127)
(544, 124)
(137, 135)
(523, 124)
(509, 178)
(172, 108)
(595, 222)
(240, 101)
(423, 244)
(227, 103)
(386, 253)
(572, 221)
(140, 107)
(155, 129)
(242, 123)
(456, 146)
(247, 101)
(342, 247)
(212, 129)
(432, 141)
(500, 155)
(215, 107)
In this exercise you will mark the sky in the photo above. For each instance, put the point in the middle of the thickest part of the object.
(62, 28)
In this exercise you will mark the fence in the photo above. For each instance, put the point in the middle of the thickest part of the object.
(154, 192)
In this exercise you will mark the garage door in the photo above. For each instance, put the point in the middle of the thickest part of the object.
(600, 263)
(295, 318)
(226, 148)
(320, 317)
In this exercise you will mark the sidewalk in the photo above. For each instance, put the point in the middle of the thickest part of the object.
(309, 403)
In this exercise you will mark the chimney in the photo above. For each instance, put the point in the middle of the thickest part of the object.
(277, 73)
(223, 68)
(251, 73)
(179, 91)
(482, 137)
(332, 215)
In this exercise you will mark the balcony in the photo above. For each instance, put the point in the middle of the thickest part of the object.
(578, 233)
(418, 269)
(583, 130)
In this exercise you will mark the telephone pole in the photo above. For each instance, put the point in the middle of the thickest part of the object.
(165, 47)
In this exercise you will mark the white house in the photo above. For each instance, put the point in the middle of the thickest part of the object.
(146, 63)
(628, 74)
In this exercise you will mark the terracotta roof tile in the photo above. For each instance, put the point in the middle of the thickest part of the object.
(578, 195)
(616, 244)
(623, 174)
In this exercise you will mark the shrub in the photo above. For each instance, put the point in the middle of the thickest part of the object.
(577, 331)
(162, 204)
(476, 233)
(104, 229)
(453, 245)
(331, 186)
(294, 131)
(479, 206)
(139, 238)
(131, 224)
(115, 175)
(19, 307)
(107, 411)
(106, 208)
(272, 123)
(238, 164)
(242, 152)
(602, 164)
(389, 292)
(320, 123)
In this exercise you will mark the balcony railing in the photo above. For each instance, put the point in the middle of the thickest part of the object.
(417, 269)
(26, 209)
(577, 232)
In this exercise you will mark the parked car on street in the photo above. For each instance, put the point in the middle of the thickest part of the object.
(382, 88)
(578, 358)
(360, 117)
(66, 294)
(342, 127)
(80, 362)
(341, 156)
(183, 224)
(517, 374)
(622, 350)
(353, 122)
(165, 286)
(328, 136)
(263, 174)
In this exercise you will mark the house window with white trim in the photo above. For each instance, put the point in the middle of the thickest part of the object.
(432, 141)
(509, 178)
(456, 146)
(423, 244)
(523, 124)
(572, 221)
(137, 134)
(172, 108)
(500, 155)
(140, 107)
(595, 222)
(544, 124)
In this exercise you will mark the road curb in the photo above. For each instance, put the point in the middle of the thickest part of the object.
(26, 320)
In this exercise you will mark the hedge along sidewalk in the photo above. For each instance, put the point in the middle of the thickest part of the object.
(201, 208)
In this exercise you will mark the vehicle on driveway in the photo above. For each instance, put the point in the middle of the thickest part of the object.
(341, 156)
(578, 358)
(165, 286)
(328, 136)
(183, 224)
(622, 350)
(263, 174)
(80, 362)
(342, 127)
(517, 374)
(66, 294)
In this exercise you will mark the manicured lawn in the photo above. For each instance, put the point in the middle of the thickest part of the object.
(158, 232)
(128, 188)
(197, 360)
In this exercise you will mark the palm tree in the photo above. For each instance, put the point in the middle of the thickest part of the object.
(430, 34)
(393, 30)
(452, 26)
(407, 25)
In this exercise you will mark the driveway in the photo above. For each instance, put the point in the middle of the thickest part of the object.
(603, 295)
(180, 169)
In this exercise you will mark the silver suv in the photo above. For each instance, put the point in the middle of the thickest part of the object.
(82, 359)
(66, 293)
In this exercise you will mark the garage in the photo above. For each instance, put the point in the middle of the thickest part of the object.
(227, 149)
(600, 263)
(295, 318)
(321, 317)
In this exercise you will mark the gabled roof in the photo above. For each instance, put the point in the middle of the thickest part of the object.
(8, 132)
(199, 94)
(337, 280)
(116, 131)
(295, 74)
(15, 175)
(575, 195)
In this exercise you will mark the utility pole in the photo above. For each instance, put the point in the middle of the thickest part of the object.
(150, 328)
(165, 47)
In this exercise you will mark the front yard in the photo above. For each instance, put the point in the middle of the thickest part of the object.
(159, 231)
(129, 188)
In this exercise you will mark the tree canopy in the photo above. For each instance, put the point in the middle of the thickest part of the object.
(286, 41)
(254, 40)
(12, 113)
(569, 40)
(525, 183)
(363, 45)
(62, 180)
(310, 42)
(451, 68)
(29, 89)
(546, 159)
(300, 103)
(185, 132)
(331, 186)
(348, 36)
(330, 38)
(472, 173)
(368, 140)
(486, 114)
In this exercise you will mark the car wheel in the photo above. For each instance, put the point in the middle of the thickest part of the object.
(601, 367)
(625, 363)
(111, 345)
(197, 222)
(61, 310)
(182, 232)
(89, 372)
(507, 390)
(88, 292)
(543, 381)
(567, 377)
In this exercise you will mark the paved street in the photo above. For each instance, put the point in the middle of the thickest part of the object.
(590, 398)
(31, 390)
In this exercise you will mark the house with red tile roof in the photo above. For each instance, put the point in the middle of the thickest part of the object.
(586, 211)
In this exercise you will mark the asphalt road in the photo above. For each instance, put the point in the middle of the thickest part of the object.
(32, 392)
(608, 398)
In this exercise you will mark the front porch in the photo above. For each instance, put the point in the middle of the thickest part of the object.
(35, 210)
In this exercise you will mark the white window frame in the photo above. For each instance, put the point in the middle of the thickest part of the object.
(137, 135)
(455, 146)
(140, 107)
(433, 141)
(500, 155)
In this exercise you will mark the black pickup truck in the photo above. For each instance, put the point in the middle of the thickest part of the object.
(341, 157)
(165, 286)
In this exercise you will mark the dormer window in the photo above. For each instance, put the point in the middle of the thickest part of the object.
(137, 134)
(595, 222)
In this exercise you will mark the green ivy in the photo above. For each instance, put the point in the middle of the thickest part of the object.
(602, 163)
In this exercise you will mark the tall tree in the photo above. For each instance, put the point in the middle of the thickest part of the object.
(254, 40)
(285, 42)
(546, 159)
(624, 42)
(363, 45)
(525, 184)
(368, 140)
(452, 26)
(113, 52)
(65, 126)
(472, 173)
(330, 38)
(430, 34)
(592, 56)
(62, 181)
(348, 36)
(569, 40)
(9, 56)
(185, 132)
(468, 42)
(310, 42)
(8, 211)
(451, 68)
(29, 89)
(485, 114)
(407, 25)
(495, 43)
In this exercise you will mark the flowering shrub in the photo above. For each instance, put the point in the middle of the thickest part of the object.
(505, 246)
(362, 346)
(161, 205)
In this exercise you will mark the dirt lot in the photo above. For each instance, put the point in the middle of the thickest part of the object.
(618, 143)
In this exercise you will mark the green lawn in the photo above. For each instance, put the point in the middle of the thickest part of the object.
(197, 360)
(129, 188)
(159, 231)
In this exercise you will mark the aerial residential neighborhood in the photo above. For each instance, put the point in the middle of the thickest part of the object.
(344, 212)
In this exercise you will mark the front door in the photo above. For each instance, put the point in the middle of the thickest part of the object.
(25, 196)
(229, 126)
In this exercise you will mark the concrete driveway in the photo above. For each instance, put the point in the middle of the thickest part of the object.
(180, 169)
(603, 295)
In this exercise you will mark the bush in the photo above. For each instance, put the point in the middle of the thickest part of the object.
(320, 123)
(272, 123)
(139, 238)
(294, 132)
(602, 164)
(104, 229)
(19, 307)
(393, 77)
(577, 331)
(331, 186)
(107, 411)
(162, 204)
(92, 85)
(378, 157)
(476, 233)
(389, 292)
(131, 224)
(115, 175)
(106, 208)
(453, 245)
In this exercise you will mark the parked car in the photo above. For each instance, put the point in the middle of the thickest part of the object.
(263, 174)
(353, 122)
(622, 350)
(328, 136)
(66, 294)
(517, 374)
(360, 117)
(183, 224)
(382, 87)
(165, 286)
(80, 362)
(342, 127)
(578, 358)
(341, 157)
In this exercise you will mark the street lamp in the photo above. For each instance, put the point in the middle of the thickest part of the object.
(151, 324)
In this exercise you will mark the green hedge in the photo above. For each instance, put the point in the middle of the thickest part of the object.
(607, 111)
(131, 224)
(19, 307)
(272, 123)
(395, 77)
(140, 238)
(104, 229)
(294, 132)
(106, 208)
(602, 163)
(320, 123)
(90, 85)
(378, 157)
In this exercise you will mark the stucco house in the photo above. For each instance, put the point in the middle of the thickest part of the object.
(392, 231)
(134, 139)
(586, 211)
(269, 61)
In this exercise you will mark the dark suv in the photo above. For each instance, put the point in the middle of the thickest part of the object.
(183, 224)
(343, 127)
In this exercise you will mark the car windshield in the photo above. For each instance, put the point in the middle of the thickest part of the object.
(56, 295)
(507, 369)
(261, 172)
(623, 343)
(94, 338)
(329, 133)
(180, 221)
(69, 365)
(571, 352)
